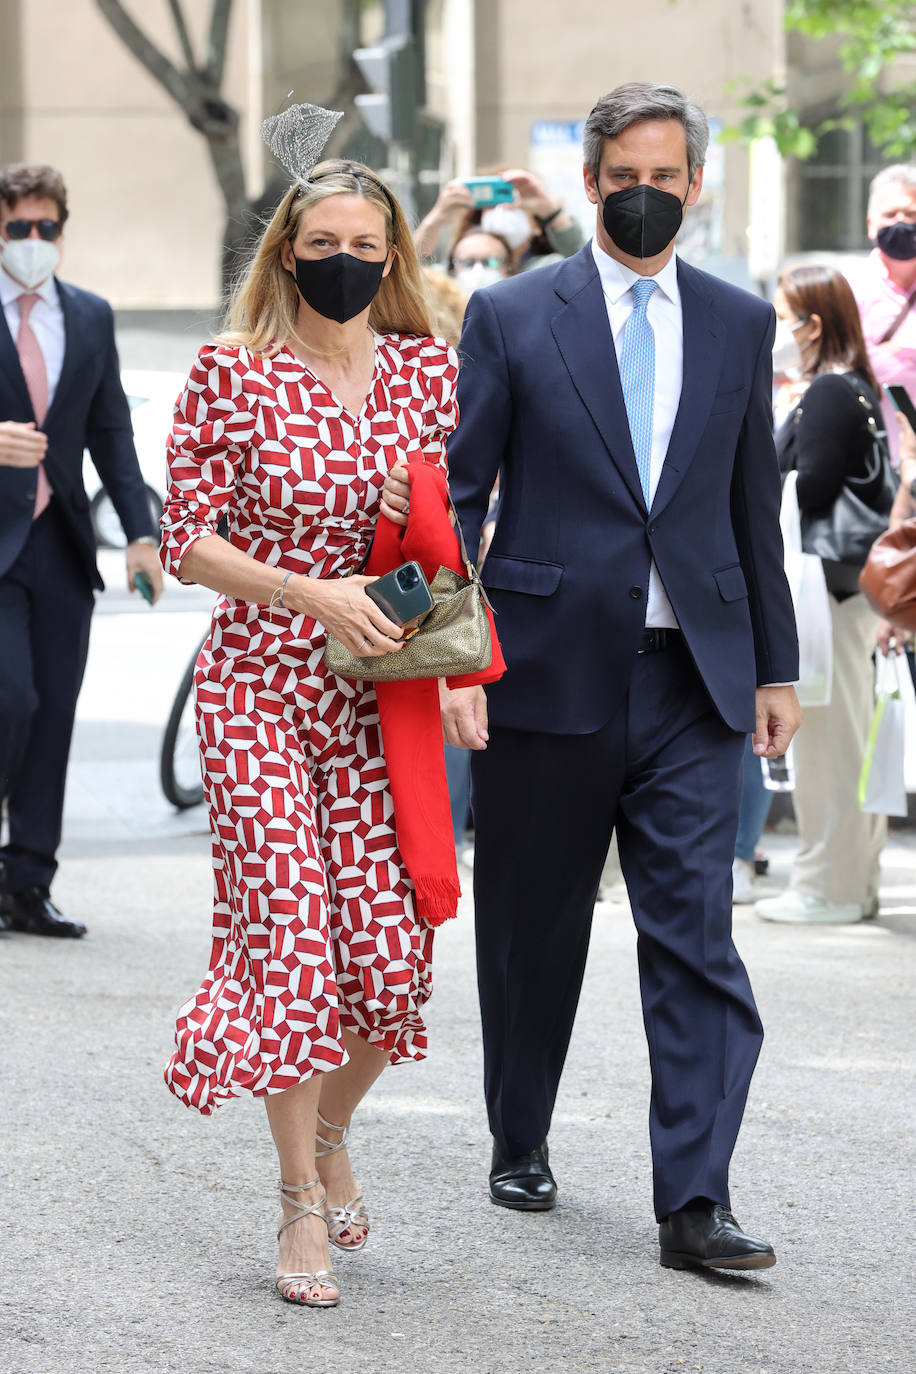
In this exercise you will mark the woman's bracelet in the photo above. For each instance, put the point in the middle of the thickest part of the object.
(276, 598)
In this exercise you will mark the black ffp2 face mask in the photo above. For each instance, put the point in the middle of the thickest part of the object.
(339, 287)
(897, 241)
(641, 220)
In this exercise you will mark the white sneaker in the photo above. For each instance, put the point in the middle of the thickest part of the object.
(799, 908)
(744, 878)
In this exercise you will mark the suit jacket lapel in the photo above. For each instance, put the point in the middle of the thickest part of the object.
(583, 336)
(704, 353)
(71, 313)
(10, 368)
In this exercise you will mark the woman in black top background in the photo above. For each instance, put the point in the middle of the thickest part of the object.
(828, 437)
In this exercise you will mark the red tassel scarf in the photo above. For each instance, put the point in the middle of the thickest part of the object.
(409, 711)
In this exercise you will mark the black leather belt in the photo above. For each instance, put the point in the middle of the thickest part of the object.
(658, 638)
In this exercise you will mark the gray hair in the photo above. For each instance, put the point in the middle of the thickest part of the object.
(901, 174)
(636, 102)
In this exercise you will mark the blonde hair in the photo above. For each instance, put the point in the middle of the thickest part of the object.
(447, 304)
(265, 303)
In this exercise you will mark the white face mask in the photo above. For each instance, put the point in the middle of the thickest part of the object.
(509, 222)
(471, 278)
(786, 352)
(29, 261)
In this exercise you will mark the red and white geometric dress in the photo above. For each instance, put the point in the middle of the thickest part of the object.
(313, 925)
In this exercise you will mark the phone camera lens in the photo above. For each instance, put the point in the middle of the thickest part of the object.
(407, 578)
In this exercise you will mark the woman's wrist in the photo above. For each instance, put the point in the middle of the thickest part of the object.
(302, 594)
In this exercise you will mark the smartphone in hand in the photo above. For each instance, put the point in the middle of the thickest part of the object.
(144, 586)
(403, 595)
(902, 401)
(489, 190)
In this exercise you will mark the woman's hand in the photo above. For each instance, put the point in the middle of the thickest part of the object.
(396, 495)
(888, 635)
(454, 200)
(532, 195)
(343, 608)
(907, 448)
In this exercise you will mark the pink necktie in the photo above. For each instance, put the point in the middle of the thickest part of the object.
(32, 362)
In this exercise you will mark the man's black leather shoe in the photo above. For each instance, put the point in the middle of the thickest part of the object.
(522, 1181)
(708, 1237)
(32, 912)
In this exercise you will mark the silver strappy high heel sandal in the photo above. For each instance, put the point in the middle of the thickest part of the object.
(324, 1278)
(340, 1219)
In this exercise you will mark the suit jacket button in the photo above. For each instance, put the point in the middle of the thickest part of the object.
(636, 593)
(651, 529)
(30, 495)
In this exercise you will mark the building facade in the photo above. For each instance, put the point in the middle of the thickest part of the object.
(510, 80)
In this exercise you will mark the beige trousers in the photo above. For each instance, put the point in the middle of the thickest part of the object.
(839, 858)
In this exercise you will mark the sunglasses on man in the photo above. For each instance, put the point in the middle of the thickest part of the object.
(48, 229)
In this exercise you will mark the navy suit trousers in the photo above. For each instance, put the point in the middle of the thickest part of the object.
(666, 772)
(46, 606)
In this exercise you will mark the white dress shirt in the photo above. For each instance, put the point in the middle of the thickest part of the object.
(664, 314)
(46, 319)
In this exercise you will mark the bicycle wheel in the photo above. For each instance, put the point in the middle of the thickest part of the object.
(179, 758)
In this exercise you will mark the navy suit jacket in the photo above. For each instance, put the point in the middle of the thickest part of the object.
(89, 410)
(568, 570)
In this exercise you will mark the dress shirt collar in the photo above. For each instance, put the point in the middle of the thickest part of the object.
(616, 279)
(11, 290)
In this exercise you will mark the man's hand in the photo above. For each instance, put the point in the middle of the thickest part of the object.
(464, 716)
(778, 717)
(21, 446)
(144, 558)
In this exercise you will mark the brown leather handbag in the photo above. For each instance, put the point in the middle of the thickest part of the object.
(888, 578)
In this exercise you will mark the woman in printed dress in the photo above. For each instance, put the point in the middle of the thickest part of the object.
(288, 427)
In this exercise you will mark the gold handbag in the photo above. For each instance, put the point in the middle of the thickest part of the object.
(452, 639)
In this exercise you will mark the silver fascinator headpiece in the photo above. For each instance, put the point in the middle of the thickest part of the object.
(298, 136)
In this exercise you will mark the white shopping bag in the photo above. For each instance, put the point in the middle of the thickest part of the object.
(805, 574)
(882, 787)
(908, 697)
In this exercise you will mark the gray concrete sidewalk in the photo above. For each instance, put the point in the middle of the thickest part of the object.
(139, 1237)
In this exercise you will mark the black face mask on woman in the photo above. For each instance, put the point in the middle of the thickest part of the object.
(641, 220)
(340, 286)
(897, 241)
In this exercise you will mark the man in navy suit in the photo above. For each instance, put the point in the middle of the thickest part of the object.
(60, 392)
(636, 570)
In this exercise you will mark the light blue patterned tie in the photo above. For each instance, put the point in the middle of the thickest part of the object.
(637, 378)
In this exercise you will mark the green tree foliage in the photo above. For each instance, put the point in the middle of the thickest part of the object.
(872, 34)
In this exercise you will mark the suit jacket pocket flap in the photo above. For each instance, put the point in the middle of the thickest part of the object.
(728, 400)
(521, 575)
(730, 582)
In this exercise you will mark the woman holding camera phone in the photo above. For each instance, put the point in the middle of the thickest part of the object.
(288, 426)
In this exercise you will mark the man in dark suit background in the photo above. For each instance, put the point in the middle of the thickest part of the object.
(60, 392)
(636, 569)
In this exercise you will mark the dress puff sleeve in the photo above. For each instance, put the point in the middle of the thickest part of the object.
(213, 425)
(439, 363)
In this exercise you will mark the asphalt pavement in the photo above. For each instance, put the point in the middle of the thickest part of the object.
(138, 1236)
